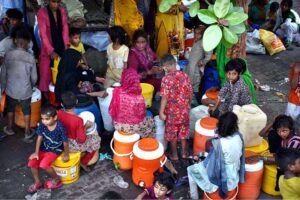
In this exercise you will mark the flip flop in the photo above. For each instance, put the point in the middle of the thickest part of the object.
(53, 184)
(34, 187)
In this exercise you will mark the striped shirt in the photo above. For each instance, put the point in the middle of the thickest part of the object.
(294, 142)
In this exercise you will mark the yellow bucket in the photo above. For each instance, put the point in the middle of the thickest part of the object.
(147, 92)
(263, 147)
(68, 171)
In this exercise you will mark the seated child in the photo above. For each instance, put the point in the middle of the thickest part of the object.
(162, 187)
(235, 91)
(76, 44)
(293, 106)
(51, 142)
(271, 17)
(289, 161)
(76, 130)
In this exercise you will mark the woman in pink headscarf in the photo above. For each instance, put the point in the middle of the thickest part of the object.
(128, 108)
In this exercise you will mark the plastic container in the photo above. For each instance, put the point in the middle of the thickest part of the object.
(2, 102)
(68, 171)
(36, 102)
(250, 189)
(104, 106)
(212, 94)
(196, 114)
(147, 92)
(160, 131)
(52, 99)
(148, 157)
(123, 146)
(94, 159)
(251, 121)
(215, 195)
(204, 129)
(260, 149)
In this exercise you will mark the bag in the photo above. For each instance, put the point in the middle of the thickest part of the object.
(272, 43)
(210, 77)
(253, 44)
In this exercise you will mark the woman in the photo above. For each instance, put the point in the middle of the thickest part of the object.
(141, 58)
(53, 26)
(128, 108)
(224, 167)
(258, 10)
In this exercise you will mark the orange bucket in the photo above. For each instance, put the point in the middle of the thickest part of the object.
(215, 195)
(212, 94)
(250, 189)
(2, 102)
(148, 157)
(36, 102)
(123, 145)
(204, 129)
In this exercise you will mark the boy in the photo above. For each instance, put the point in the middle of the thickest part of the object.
(176, 92)
(76, 44)
(288, 160)
(51, 142)
(13, 19)
(18, 78)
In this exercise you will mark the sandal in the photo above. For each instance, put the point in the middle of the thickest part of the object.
(8, 131)
(34, 187)
(53, 184)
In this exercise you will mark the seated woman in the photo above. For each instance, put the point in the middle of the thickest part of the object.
(258, 10)
(142, 59)
(224, 166)
(128, 108)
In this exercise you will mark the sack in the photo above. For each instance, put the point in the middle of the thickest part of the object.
(272, 43)
(253, 44)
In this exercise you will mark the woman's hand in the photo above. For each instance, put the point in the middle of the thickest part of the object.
(54, 55)
(101, 94)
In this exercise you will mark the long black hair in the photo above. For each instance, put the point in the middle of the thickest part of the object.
(228, 124)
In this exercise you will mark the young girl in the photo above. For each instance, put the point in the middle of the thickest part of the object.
(162, 187)
(51, 142)
(235, 91)
(226, 153)
(293, 106)
(117, 54)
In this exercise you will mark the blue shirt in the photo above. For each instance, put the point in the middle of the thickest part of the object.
(53, 141)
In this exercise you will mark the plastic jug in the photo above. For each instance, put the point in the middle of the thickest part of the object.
(251, 120)
(104, 105)
(160, 131)
(197, 113)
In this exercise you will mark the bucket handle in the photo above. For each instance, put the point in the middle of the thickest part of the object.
(118, 154)
(162, 163)
(234, 197)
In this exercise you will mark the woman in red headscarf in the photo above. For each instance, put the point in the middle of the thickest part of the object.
(128, 108)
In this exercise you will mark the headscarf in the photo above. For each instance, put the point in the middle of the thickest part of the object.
(68, 73)
(127, 104)
(145, 60)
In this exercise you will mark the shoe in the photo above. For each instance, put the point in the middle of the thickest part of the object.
(53, 184)
(34, 187)
(29, 135)
(8, 131)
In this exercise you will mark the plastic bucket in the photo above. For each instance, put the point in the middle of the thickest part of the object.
(148, 157)
(250, 189)
(123, 146)
(215, 195)
(36, 102)
(160, 131)
(204, 129)
(104, 106)
(212, 94)
(2, 102)
(94, 159)
(68, 171)
(262, 148)
(147, 92)
(52, 99)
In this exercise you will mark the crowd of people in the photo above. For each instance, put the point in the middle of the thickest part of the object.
(131, 61)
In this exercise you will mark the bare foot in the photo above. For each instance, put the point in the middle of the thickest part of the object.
(85, 168)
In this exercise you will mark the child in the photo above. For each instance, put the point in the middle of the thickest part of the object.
(19, 88)
(293, 106)
(235, 91)
(76, 131)
(76, 44)
(289, 161)
(51, 142)
(176, 92)
(271, 16)
(197, 60)
(162, 187)
(117, 54)
(286, 24)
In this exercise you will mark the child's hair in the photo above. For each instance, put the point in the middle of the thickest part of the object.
(287, 2)
(69, 100)
(167, 60)
(111, 195)
(139, 33)
(74, 31)
(165, 178)
(274, 6)
(23, 33)
(14, 13)
(118, 35)
(283, 121)
(49, 110)
(285, 157)
(228, 124)
(236, 64)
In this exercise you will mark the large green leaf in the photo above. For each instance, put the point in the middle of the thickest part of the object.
(230, 36)
(238, 9)
(236, 18)
(164, 6)
(172, 2)
(221, 8)
(238, 29)
(194, 8)
(212, 37)
(207, 16)
(226, 44)
(211, 7)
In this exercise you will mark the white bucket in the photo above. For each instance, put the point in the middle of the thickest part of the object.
(104, 105)
(160, 131)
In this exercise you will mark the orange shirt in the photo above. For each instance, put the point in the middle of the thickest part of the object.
(293, 98)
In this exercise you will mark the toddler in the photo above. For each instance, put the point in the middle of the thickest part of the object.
(293, 106)
(176, 92)
(51, 142)
(76, 44)
(162, 187)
